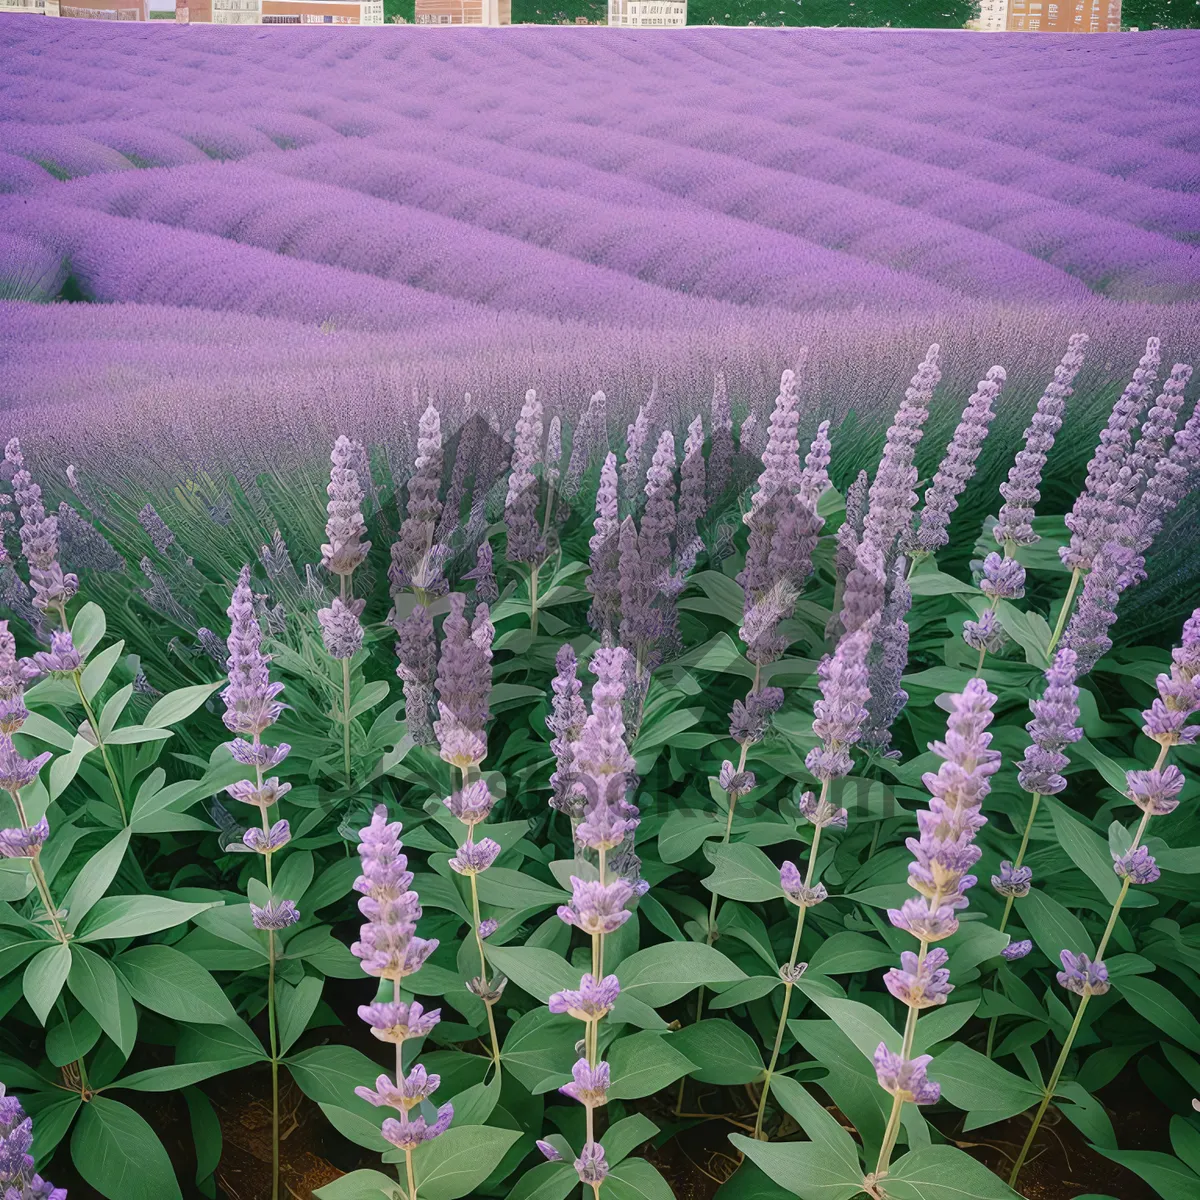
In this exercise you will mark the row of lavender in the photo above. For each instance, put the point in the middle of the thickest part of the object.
(646, 541)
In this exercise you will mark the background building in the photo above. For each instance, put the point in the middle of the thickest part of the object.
(645, 13)
(100, 10)
(279, 12)
(993, 16)
(463, 12)
(1064, 16)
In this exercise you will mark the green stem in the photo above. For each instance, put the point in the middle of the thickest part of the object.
(412, 1183)
(95, 726)
(1065, 612)
(892, 1132)
(346, 719)
(274, 1049)
(39, 876)
(533, 599)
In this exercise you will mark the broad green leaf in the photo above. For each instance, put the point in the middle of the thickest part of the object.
(1086, 849)
(296, 1006)
(810, 1170)
(644, 1063)
(88, 628)
(944, 1173)
(721, 1052)
(860, 1023)
(1028, 629)
(174, 706)
(44, 979)
(941, 1023)
(133, 916)
(512, 889)
(361, 1185)
(636, 1179)
(1170, 1178)
(850, 954)
(822, 1127)
(454, 1164)
(546, 1181)
(746, 990)
(356, 1127)
(976, 1084)
(206, 1133)
(1162, 1008)
(114, 706)
(1053, 927)
(685, 831)
(540, 1048)
(742, 872)
(94, 983)
(625, 1136)
(662, 974)
(329, 1074)
(135, 735)
(93, 879)
(71, 1039)
(181, 1075)
(293, 878)
(538, 972)
(99, 669)
(118, 1153)
(937, 583)
(1114, 775)
(169, 982)
(45, 730)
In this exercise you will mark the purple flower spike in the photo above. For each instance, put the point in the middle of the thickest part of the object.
(1012, 881)
(62, 657)
(589, 1084)
(409, 1133)
(736, 783)
(418, 1085)
(250, 703)
(396, 1022)
(521, 503)
(464, 684)
(341, 629)
(597, 907)
(549, 1153)
(917, 917)
(17, 1176)
(1137, 866)
(905, 1078)
(1155, 791)
(474, 857)
(1003, 578)
(1178, 693)
(748, 720)
(592, 1165)
(1082, 977)
(1016, 950)
(795, 890)
(24, 843)
(822, 813)
(267, 841)
(568, 715)
(264, 796)
(592, 1001)
(839, 714)
(920, 985)
(39, 538)
(275, 914)
(346, 550)
(1054, 726)
(414, 563)
(472, 804)
(984, 634)
(1096, 611)
(17, 772)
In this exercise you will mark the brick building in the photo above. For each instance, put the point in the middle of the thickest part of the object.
(647, 13)
(1050, 16)
(463, 12)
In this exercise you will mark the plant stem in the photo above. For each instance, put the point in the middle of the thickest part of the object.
(346, 719)
(892, 1132)
(39, 876)
(1076, 575)
(77, 676)
(533, 599)
(273, 1046)
(787, 983)
(412, 1183)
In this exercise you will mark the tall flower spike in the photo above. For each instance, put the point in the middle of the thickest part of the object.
(659, 519)
(568, 714)
(414, 564)
(640, 626)
(464, 684)
(39, 538)
(250, 698)
(631, 468)
(604, 577)
(15, 673)
(1157, 430)
(957, 466)
(346, 550)
(1097, 509)
(341, 628)
(781, 458)
(887, 662)
(814, 479)
(416, 650)
(587, 436)
(692, 500)
(1178, 692)
(483, 574)
(839, 714)
(525, 544)
(1021, 491)
(1087, 631)
(892, 498)
(720, 454)
(1054, 725)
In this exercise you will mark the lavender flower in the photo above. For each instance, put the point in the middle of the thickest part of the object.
(39, 538)
(904, 1078)
(839, 714)
(549, 1153)
(160, 533)
(822, 813)
(464, 684)
(589, 1084)
(250, 703)
(416, 651)
(405, 1094)
(409, 1134)
(83, 545)
(1021, 491)
(487, 928)
(261, 795)
(483, 574)
(631, 468)
(474, 857)
(591, 1001)
(866, 587)
(1137, 866)
(1178, 692)
(521, 503)
(736, 783)
(592, 1166)
(887, 662)
(24, 842)
(748, 719)
(957, 467)
(17, 772)
(920, 984)
(1012, 881)
(984, 634)
(1082, 977)
(568, 715)
(267, 841)
(62, 657)
(1054, 726)
(796, 890)
(472, 804)
(692, 498)
(395, 1022)
(413, 565)
(1016, 950)
(1003, 578)
(1097, 509)
(15, 673)
(604, 579)
(587, 435)
(720, 454)
(1157, 429)
(1155, 791)
(597, 907)
(341, 629)
(1096, 611)
(274, 915)
(346, 550)
(17, 1176)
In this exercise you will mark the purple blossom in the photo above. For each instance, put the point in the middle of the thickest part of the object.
(957, 467)
(1021, 490)
(631, 468)
(568, 714)
(589, 1084)
(920, 918)
(887, 662)
(1003, 578)
(591, 1001)
(488, 927)
(404, 1095)
(866, 587)
(416, 652)
(1054, 726)
(814, 479)
(472, 804)
(591, 1165)
(549, 1153)
(17, 1174)
(16, 771)
(736, 783)
(920, 984)
(263, 841)
(659, 519)
(24, 842)
(274, 915)
(748, 719)
(39, 538)
(414, 565)
(394, 1021)
(589, 432)
(984, 634)
(604, 561)
(1178, 692)
(410, 1132)
(464, 684)
(1137, 866)
(1012, 881)
(160, 533)
(839, 714)
(346, 550)
(250, 703)
(822, 813)
(596, 907)
(1016, 950)
(341, 629)
(525, 544)
(640, 624)
(474, 857)
(483, 574)
(62, 657)
(720, 454)
(255, 754)
(693, 501)
(796, 890)
(1157, 430)
(905, 1078)
(1096, 610)
(1082, 977)
(1155, 791)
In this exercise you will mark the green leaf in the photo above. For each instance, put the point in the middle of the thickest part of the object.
(860, 1023)
(941, 1023)
(625, 1136)
(546, 1181)
(169, 982)
(113, 708)
(296, 1006)
(1086, 849)
(133, 916)
(642, 1064)
(44, 979)
(810, 1170)
(93, 879)
(636, 1179)
(329, 1074)
(174, 706)
(742, 872)
(743, 992)
(1161, 1007)
(976, 1084)
(721, 1051)
(134, 735)
(361, 1130)
(94, 983)
(936, 583)
(206, 1133)
(1163, 1172)
(822, 1127)
(536, 971)
(1114, 775)
(99, 669)
(685, 831)
(45, 730)
(71, 1039)
(944, 1173)
(361, 1185)
(662, 974)
(851, 953)
(88, 628)
(456, 1163)
(118, 1153)
(1028, 629)
(182, 1075)
(293, 878)
(513, 889)
(1053, 927)
(539, 1048)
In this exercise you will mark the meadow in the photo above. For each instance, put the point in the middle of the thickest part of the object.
(687, 542)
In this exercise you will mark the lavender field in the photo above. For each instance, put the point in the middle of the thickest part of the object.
(634, 488)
